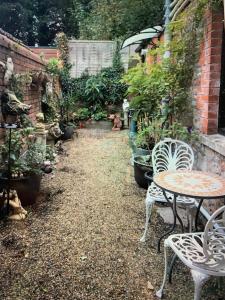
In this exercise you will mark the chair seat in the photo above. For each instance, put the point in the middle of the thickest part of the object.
(188, 247)
(154, 193)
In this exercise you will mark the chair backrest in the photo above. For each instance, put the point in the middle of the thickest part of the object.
(172, 154)
(214, 239)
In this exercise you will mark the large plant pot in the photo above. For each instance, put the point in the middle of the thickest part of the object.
(27, 187)
(142, 151)
(133, 127)
(68, 132)
(140, 168)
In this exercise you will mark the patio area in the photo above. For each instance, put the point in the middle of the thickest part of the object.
(81, 240)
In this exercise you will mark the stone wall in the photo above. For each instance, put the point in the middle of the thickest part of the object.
(24, 61)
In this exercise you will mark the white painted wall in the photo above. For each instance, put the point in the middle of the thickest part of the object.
(94, 55)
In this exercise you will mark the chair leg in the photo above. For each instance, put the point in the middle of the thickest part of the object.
(149, 205)
(199, 280)
(159, 293)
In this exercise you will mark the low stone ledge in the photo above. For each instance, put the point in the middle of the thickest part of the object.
(216, 142)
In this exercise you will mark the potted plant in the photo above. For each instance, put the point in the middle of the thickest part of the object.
(27, 161)
(142, 164)
(151, 135)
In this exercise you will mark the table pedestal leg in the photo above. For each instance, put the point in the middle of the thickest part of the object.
(197, 214)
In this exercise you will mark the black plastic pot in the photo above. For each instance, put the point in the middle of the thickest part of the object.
(68, 132)
(142, 164)
(149, 176)
(27, 187)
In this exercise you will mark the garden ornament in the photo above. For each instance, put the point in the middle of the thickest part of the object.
(169, 154)
(54, 130)
(202, 252)
(40, 125)
(125, 111)
(17, 212)
(117, 123)
(12, 106)
(9, 68)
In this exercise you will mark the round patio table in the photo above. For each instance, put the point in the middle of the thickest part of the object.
(194, 184)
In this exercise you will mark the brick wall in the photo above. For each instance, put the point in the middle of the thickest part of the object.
(46, 53)
(24, 61)
(206, 86)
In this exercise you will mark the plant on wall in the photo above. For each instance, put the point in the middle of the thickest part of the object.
(163, 89)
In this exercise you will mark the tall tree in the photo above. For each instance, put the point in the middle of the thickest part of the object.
(38, 21)
(110, 19)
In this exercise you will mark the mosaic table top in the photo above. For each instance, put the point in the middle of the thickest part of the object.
(191, 183)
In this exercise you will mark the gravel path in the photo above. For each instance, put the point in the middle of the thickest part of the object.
(81, 239)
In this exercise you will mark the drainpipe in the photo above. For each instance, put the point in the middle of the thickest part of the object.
(224, 12)
(167, 37)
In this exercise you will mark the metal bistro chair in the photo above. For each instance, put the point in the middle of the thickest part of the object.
(203, 253)
(169, 154)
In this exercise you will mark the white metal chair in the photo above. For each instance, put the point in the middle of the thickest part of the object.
(203, 253)
(169, 154)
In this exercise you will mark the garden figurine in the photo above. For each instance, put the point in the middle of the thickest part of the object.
(117, 123)
(125, 112)
(12, 106)
(17, 212)
(9, 69)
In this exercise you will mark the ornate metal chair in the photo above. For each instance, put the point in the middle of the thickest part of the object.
(203, 253)
(169, 154)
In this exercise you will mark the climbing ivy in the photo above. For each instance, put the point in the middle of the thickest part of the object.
(163, 88)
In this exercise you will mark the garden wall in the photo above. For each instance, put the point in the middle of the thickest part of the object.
(46, 52)
(206, 95)
(206, 86)
(90, 56)
(24, 61)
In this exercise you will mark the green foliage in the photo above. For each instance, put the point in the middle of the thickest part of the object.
(156, 131)
(53, 66)
(101, 115)
(38, 21)
(119, 18)
(162, 90)
(26, 156)
(83, 114)
(94, 91)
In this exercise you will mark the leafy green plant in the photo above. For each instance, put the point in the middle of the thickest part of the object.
(101, 115)
(26, 156)
(53, 66)
(82, 114)
(156, 131)
(94, 91)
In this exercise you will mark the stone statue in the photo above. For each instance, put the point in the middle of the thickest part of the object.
(12, 106)
(117, 123)
(40, 125)
(17, 212)
(125, 112)
(9, 69)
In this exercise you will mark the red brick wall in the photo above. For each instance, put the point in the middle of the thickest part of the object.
(24, 61)
(206, 86)
(47, 53)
